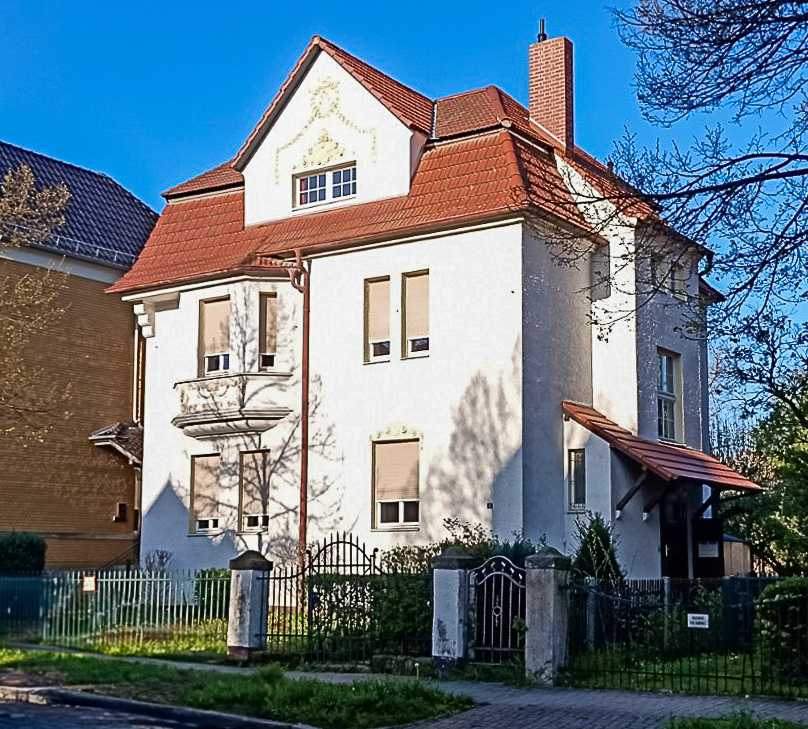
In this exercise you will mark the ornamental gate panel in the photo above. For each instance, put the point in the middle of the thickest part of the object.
(497, 612)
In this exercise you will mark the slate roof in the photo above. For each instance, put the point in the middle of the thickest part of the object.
(669, 462)
(105, 223)
(484, 159)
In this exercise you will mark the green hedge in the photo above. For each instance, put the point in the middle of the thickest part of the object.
(21, 552)
(782, 624)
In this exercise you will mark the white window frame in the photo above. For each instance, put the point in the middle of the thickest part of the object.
(369, 355)
(263, 518)
(407, 351)
(224, 357)
(212, 522)
(668, 365)
(330, 184)
(261, 366)
(378, 524)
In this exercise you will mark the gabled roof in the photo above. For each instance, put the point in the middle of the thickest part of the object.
(104, 222)
(485, 158)
(467, 180)
(126, 437)
(669, 462)
(411, 108)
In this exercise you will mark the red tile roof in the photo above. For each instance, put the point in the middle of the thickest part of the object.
(487, 159)
(410, 107)
(669, 462)
(456, 182)
(218, 178)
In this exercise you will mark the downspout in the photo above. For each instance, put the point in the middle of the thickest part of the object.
(299, 277)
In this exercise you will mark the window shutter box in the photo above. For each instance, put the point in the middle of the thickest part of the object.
(396, 474)
(206, 486)
(216, 326)
(378, 303)
(268, 333)
(416, 305)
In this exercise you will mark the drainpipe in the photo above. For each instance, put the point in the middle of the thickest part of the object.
(299, 277)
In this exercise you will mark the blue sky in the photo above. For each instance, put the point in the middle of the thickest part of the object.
(153, 93)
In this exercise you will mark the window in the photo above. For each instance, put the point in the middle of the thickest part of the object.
(576, 474)
(267, 331)
(666, 395)
(415, 319)
(214, 334)
(324, 187)
(377, 319)
(667, 277)
(254, 475)
(205, 493)
(395, 483)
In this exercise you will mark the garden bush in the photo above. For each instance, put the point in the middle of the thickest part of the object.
(21, 552)
(782, 625)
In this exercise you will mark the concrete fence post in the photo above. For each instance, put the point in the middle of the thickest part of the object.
(249, 603)
(450, 582)
(546, 613)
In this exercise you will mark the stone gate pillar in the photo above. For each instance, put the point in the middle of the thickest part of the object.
(450, 584)
(249, 602)
(546, 616)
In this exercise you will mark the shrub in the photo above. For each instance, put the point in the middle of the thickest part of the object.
(21, 552)
(782, 624)
(596, 551)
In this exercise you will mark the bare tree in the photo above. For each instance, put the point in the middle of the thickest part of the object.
(746, 61)
(28, 306)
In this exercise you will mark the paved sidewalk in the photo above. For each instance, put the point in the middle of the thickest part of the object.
(554, 708)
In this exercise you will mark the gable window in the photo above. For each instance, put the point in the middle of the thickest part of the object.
(395, 483)
(324, 187)
(254, 478)
(214, 335)
(415, 319)
(666, 277)
(205, 493)
(267, 331)
(377, 319)
(667, 365)
(576, 475)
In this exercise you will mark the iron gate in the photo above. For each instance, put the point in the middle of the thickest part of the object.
(323, 611)
(497, 612)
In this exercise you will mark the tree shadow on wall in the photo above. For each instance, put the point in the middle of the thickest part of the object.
(483, 462)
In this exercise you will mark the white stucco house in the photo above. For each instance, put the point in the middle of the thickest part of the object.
(383, 311)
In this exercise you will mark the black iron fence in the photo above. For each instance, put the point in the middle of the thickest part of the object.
(703, 636)
(343, 606)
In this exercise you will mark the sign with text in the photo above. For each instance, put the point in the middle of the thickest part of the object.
(88, 584)
(698, 620)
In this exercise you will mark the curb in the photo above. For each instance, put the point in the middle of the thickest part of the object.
(199, 717)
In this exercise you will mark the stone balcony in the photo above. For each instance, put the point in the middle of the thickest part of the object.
(232, 403)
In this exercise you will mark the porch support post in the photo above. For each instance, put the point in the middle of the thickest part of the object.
(249, 602)
(450, 582)
(546, 573)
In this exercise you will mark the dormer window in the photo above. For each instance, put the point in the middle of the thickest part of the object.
(325, 187)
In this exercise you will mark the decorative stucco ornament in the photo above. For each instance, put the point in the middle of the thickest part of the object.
(323, 152)
(325, 98)
(398, 431)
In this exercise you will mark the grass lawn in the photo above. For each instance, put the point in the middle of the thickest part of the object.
(267, 694)
(737, 722)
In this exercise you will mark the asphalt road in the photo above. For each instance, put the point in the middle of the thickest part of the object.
(37, 716)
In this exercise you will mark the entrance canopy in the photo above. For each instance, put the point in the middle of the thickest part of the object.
(672, 463)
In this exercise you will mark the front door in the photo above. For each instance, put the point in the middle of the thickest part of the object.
(673, 534)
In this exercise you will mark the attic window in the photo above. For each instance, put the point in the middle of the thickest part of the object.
(325, 187)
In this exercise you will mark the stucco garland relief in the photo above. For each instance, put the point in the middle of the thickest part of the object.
(398, 431)
(325, 104)
(323, 152)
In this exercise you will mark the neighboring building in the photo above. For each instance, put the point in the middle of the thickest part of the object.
(80, 497)
(451, 363)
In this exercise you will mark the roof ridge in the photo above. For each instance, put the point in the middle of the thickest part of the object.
(320, 40)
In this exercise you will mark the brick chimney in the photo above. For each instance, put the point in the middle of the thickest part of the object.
(550, 83)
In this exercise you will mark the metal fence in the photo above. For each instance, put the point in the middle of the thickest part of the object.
(119, 610)
(342, 605)
(703, 636)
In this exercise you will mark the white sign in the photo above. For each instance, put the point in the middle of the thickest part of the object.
(88, 585)
(698, 620)
(708, 550)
